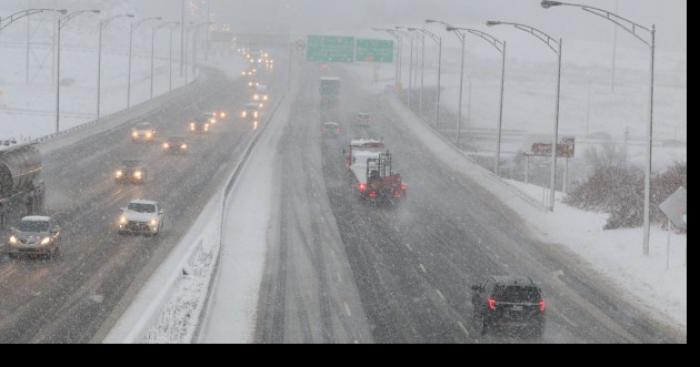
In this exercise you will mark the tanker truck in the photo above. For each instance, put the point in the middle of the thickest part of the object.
(21, 187)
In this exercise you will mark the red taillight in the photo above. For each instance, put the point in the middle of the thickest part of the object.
(373, 195)
(397, 194)
(492, 304)
(543, 305)
(362, 187)
(404, 187)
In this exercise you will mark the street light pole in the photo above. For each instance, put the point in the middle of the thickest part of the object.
(500, 46)
(103, 24)
(438, 41)
(461, 36)
(410, 66)
(61, 22)
(132, 29)
(399, 52)
(556, 47)
(634, 29)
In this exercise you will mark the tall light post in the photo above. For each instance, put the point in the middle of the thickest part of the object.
(155, 30)
(399, 51)
(437, 40)
(461, 36)
(500, 46)
(103, 24)
(132, 29)
(172, 26)
(5, 22)
(197, 27)
(404, 30)
(556, 47)
(634, 29)
(14, 17)
(62, 21)
(182, 39)
(422, 68)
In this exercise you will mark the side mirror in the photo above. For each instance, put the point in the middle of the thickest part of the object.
(161, 212)
(477, 288)
(55, 229)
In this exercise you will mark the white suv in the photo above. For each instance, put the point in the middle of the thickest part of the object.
(141, 217)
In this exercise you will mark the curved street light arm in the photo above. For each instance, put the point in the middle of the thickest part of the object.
(109, 20)
(624, 23)
(550, 41)
(63, 21)
(25, 13)
(428, 33)
(493, 41)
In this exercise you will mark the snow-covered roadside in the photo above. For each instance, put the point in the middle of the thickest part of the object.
(618, 254)
(576, 230)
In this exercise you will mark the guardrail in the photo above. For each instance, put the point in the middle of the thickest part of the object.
(178, 98)
(144, 313)
(490, 175)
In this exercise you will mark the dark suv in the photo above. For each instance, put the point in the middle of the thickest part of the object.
(510, 301)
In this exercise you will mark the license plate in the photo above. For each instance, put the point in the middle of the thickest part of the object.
(517, 308)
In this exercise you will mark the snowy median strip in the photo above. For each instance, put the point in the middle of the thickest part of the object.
(168, 308)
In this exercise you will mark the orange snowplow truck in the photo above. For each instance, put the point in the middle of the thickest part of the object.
(371, 168)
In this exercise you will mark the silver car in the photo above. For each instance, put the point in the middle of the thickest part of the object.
(35, 235)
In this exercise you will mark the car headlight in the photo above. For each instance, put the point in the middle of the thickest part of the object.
(123, 220)
(153, 222)
(13, 240)
(223, 115)
(212, 120)
(183, 146)
(166, 146)
(262, 105)
(135, 134)
(265, 98)
(243, 73)
(244, 114)
(256, 97)
(138, 175)
(119, 174)
(149, 135)
(250, 84)
(46, 241)
(206, 127)
(256, 114)
(193, 127)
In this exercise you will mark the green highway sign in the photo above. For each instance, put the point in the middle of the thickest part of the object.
(330, 49)
(370, 50)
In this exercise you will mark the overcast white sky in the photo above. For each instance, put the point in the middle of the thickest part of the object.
(319, 16)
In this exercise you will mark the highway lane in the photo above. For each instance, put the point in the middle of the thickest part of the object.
(413, 265)
(69, 298)
(453, 232)
(307, 294)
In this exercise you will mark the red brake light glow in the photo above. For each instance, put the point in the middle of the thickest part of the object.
(543, 305)
(363, 187)
(492, 304)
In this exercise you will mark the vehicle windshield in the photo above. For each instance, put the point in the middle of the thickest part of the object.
(517, 294)
(142, 208)
(33, 226)
(176, 140)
